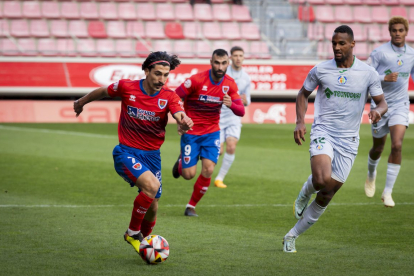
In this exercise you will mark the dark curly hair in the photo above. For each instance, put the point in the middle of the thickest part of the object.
(345, 29)
(171, 60)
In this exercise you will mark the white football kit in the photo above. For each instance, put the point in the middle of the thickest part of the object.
(339, 104)
(388, 59)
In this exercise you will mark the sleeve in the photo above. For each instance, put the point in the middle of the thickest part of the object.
(374, 87)
(373, 61)
(311, 81)
(187, 87)
(412, 73)
(116, 89)
(246, 90)
(234, 92)
(175, 104)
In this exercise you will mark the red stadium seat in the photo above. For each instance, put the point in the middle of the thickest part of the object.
(184, 12)
(4, 28)
(344, 14)
(399, 11)
(212, 30)
(390, 2)
(217, 1)
(315, 32)
(12, 9)
(385, 33)
(165, 12)
(174, 30)
(9, 48)
(221, 12)
(162, 45)
(86, 47)
(410, 35)
(361, 50)
(105, 48)
(380, 14)
(202, 12)
(203, 49)
(178, 1)
(124, 48)
(192, 30)
(146, 11)
(143, 49)
(321, 50)
(334, 2)
(89, 10)
(221, 44)
(372, 2)
(259, 49)
(374, 32)
(39, 28)
(108, 11)
(411, 15)
(135, 29)
(362, 14)
(65, 47)
(407, 2)
(316, 2)
(19, 28)
(360, 33)
(154, 30)
(159, 1)
(231, 30)
(27, 46)
(240, 13)
(96, 29)
(59, 28)
(353, 2)
(329, 30)
(375, 46)
(31, 9)
(47, 47)
(127, 11)
(183, 48)
(69, 10)
(306, 14)
(249, 31)
(50, 10)
(116, 29)
(78, 28)
(325, 14)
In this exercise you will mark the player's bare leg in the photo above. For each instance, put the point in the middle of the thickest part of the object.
(373, 160)
(228, 159)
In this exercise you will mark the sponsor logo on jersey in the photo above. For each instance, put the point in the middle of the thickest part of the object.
(319, 147)
(162, 103)
(209, 99)
(342, 80)
(116, 86)
(187, 83)
(158, 176)
(132, 98)
(137, 166)
(181, 104)
(341, 94)
(142, 114)
(226, 89)
(400, 62)
(204, 88)
(187, 159)
(328, 93)
(217, 142)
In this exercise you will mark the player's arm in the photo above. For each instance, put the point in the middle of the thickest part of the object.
(233, 101)
(184, 123)
(245, 95)
(186, 88)
(96, 94)
(381, 108)
(301, 108)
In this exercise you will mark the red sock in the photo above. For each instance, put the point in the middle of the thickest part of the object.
(200, 188)
(141, 204)
(180, 167)
(147, 226)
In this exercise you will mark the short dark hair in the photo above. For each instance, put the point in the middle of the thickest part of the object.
(171, 60)
(236, 48)
(345, 29)
(220, 53)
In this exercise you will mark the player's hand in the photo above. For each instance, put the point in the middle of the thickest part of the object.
(227, 100)
(185, 124)
(299, 133)
(391, 77)
(374, 116)
(77, 107)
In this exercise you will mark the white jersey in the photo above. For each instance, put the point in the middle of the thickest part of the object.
(242, 80)
(341, 97)
(388, 59)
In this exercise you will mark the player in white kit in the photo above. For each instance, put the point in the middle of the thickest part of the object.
(344, 83)
(394, 61)
(230, 124)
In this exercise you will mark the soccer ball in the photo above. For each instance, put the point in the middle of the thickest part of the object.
(154, 249)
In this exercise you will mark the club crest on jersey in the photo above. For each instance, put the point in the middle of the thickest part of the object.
(132, 98)
(187, 83)
(162, 103)
(342, 80)
(400, 62)
(137, 166)
(319, 147)
(226, 89)
(187, 159)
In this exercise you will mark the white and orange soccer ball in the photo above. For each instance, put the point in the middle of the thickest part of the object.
(154, 249)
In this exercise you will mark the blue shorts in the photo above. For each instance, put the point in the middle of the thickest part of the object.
(130, 163)
(194, 147)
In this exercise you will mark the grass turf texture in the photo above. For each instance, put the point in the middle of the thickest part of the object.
(68, 169)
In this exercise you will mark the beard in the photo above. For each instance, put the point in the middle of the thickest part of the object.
(218, 74)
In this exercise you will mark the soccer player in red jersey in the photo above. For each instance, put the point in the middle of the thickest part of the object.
(204, 94)
(141, 132)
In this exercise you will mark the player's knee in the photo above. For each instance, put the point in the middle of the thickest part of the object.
(207, 171)
(320, 180)
(187, 175)
(152, 187)
(231, 149)
(378, 149)
(396, 147)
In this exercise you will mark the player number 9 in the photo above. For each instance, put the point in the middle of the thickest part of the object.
(187, 150)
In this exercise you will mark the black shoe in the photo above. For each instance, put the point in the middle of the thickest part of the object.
(175, 172)
(190, 212)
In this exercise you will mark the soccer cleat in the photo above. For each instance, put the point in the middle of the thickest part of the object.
(219, 184)
(387, 199)
(190, 212)
(289, 244)
(134, 240)
(175, 172)
(370, 185)
(300, 205)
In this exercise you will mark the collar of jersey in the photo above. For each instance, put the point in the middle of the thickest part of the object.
(145, 92)
(211, 79)
(353, 62)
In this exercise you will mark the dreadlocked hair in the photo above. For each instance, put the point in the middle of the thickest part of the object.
(171, 60)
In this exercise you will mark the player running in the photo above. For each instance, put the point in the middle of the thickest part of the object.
(204, 94)
(141, 132)
(344, 83)
(230, 124)
(394, 61)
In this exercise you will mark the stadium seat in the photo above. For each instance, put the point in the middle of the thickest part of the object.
(289, 30)
(390, 2)
(65, 47)
(178, 1)
(385, 33)
(407, 2)
(108, 11)
(334, 2)
(306, 14)
(154, 30)
(372, 2)
(116, 29)
(184, 12)
(59, 28)
(126, 11)
(240, 13)
(325, 14)
(174, 30)
(217, 1)
(9, 47)
(361, 50)
(96, 29)
(89, 10)
(362, 14)
(165, 12)
(135, 29)
(203, 49)
(399, 11)
(146, 11)
(183, 49)
(39, 28)
(344, 14)
(69, 10)
(329, 30)
(86, 47)
(124, 48)
(244, 45)
(298, 48)
(221, 44)
(212, 30)
(360, 33)
(259, 49)
(411, 15)
(162, 45)
(31, 9)
(202, 12)
(159, 1)
(105, 48)
(374, 32)
(316, 2)
(27, 46)
(12, 9)
(143, 49)
(78, 28)
(374, 46)
(321, 50)
(410, 35)
(280, 12)
(192, 30)
(19, 28)
(231, 30)
(315, 32)
(4, 28)
(379, 14)
(249, 31)
(353, 2)
(47, 47)
(221, 12)
(50, 10)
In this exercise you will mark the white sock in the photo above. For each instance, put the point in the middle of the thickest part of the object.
(132, 232)
(392, 173)
(225, 166)
(189, 206)
(311, 215)
(307, 188)
(372, 166)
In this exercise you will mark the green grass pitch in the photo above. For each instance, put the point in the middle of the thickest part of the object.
(63, 209)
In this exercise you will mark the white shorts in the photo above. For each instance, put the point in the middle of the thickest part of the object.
(397, 116)
(230, 131)
(342, 161)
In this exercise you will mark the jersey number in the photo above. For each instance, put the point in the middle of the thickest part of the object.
(187, 150)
